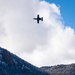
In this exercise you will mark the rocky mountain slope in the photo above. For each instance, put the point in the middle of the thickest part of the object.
(60, 69)
(10, 64)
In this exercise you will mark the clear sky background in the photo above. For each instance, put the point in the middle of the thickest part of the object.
(50, 42)
(67, 8)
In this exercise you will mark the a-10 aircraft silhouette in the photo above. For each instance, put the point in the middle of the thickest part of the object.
(38, 18)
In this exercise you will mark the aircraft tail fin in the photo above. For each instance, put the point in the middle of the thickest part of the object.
(41, 18)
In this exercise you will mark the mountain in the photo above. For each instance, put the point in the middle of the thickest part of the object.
(11, 64)
(60, 69)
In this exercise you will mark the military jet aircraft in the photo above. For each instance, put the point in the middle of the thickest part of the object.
(38, 18)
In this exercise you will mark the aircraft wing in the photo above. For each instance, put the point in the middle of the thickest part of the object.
(37, 21)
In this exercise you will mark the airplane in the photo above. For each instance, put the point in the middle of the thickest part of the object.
(38, 18)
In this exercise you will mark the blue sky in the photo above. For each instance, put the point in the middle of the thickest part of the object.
(67, 9)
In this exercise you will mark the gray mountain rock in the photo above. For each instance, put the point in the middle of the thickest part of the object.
(11, 64)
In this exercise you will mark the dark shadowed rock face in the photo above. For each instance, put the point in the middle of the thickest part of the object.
(60, 69)
(10, 64)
